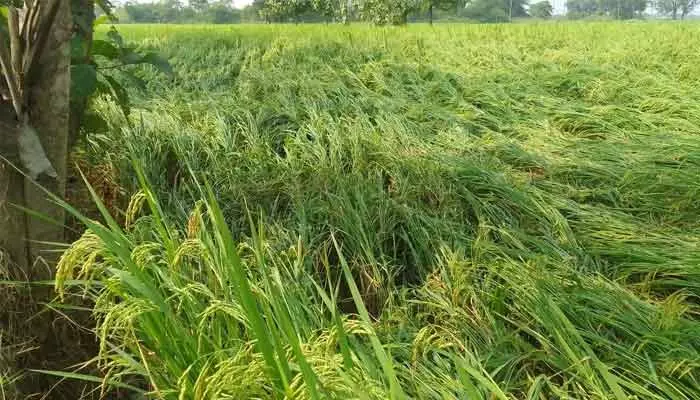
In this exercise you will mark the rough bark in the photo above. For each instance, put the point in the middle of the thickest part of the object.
(12, 220)
(24, 238)
(47, 106)
(49, 114)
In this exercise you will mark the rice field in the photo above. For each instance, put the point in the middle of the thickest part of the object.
(464, 211)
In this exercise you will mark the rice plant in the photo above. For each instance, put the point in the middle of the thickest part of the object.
(464, 211)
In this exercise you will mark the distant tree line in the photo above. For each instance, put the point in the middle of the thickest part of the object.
(383, 12)
(176, 11)
(617, 9)
(377, 11)
(676, 8)
(628, 9)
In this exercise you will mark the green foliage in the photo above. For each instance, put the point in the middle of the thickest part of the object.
(254, 11)
(332, 9)
(297, 10)
(105, 7)
(445, 5)
(542, 9)
(495, 10)
(674, 8)
(581, 8)
(108, 59)
(221, 13)
(199, 6)
(282, 10)
(174, 11)
(387, 12)
(83, 80)
(617, 9)
(487, 11)
(104, 69)
(462, 211)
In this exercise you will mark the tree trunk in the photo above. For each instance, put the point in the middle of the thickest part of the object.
(48, 109)
(402, 20)
(348, 11)
(23, 237)
(510, 12)
(675, 14)
(430, 13)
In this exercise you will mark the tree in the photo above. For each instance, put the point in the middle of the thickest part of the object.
(254, 11)
(687, 7)
(576, 9)
(141, 13)
(280, 10)
(495, 10)
(165, 11)
(675, 7)
(329, 9)
(618, 9)
(439, 4)
(199, 6)
(48, 72)
(346, 11)
(541, 9)
(34, 118)
(221, 12)
(623, 9)
(338, 10)
(170, 10)
(383, 12)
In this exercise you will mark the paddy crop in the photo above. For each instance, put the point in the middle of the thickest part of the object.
(458, 211)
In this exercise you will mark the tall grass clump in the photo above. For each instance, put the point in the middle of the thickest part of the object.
(496, 212)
